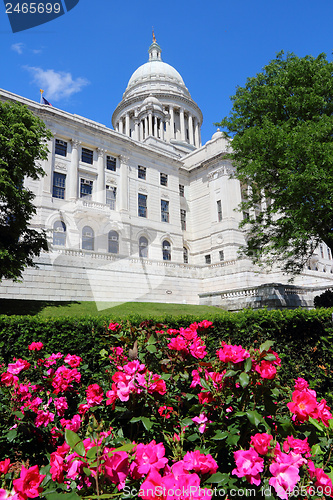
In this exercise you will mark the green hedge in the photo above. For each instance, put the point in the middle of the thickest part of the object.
(303, 339)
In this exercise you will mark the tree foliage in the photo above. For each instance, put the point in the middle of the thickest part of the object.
(22, 145)
(282, 128)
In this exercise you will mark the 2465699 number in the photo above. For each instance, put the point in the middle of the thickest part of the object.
(33, 8)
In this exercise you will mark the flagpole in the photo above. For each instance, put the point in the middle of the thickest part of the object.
(41, 96)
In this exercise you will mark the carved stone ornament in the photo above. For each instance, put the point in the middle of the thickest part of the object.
(111, 180)
(101, 152)
(75, 143)
(219, 172)
(124, 160)
(143, 189)
(60, 166)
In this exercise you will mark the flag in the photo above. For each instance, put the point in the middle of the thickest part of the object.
(46, 102)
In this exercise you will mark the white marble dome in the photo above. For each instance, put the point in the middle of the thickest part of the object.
(155, 70)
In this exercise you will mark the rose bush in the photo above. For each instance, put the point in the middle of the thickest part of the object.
(169, 414)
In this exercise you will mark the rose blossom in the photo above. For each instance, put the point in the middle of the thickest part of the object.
(261, 442)
(35, 346)
(232, 353)
(249, 464)
(28, 484)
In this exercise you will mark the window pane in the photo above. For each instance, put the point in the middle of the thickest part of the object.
(113, 242)
(166, 249)
(164, 211)
(185, 255)
(183, 219)
(143, 247)
(111, 163)
(208, 259)
(111, 194)
(181, 190)
(87, 238)
(141, 172)
(87, 156)
(59, 181)
(60, 147)
(219, 210)
(59, 233)
(86, 189)
(142, 205)
(163, 179)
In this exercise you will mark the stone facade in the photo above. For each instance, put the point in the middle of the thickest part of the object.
(145, 212)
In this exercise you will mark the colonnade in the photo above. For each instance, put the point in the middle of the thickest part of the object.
(175, 123)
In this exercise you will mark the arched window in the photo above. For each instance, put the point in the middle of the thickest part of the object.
(59, 233)
(166, 248)
(185, 255)
(87, 238)
(113, 242)
(143, 247)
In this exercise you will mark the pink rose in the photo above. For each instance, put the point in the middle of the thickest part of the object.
(232, 353)
(261, 442)
(28, 484)
(35, 346)
(249, 465)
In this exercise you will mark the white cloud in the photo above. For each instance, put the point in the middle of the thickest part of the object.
(18, 47)
(56, 84)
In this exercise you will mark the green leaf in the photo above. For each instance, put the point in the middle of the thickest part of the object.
(317, 424)
(75, 442)
(151, 340)
(87, 471)
(220, 435)
(11, 435)
(230, 373)
(125, 447)
(148, 424)
(248, 364)
(151, 348)
(244, 379)
(91, 453)
(316, 450)
(218, 477)
(204, 384)
(266, 345)
(193, 437)
(65, 496)
(270, 357)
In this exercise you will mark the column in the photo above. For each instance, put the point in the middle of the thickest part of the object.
(197, 137)
(100, 189)
(155, 126)
(127, 124)
(73, 174)
(123, 195)
(146, 128)
(150, 122)
(190, 128)
(136, 130)
(162, 130)
(47, 164)
(121, 126)
(182, 125)
(172, 123)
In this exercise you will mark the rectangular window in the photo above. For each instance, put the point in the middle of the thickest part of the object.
(111, 194)
(221, 253)
(208, 259)
(60, 147)
(164, 211)
(142, 172)
(181, 190)
(86, 188)
(59, 182)
(328, 253)
(111, 163)
(87, 156)
(163, 179)
(183, 219)
(219, 210)
(142, 205)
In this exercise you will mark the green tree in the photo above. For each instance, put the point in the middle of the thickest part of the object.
(22, 144)
(282, 129)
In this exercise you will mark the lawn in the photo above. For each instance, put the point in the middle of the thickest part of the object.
(112, 309)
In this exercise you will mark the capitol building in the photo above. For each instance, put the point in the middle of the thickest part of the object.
(145, 212)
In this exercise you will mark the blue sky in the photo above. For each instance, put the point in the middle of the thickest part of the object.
(84, 59)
